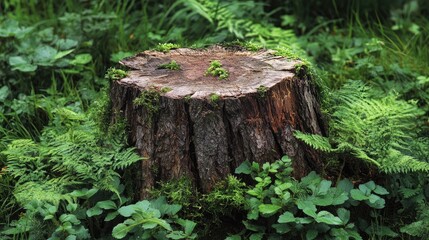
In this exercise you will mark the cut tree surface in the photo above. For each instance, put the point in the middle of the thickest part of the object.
(201, 127)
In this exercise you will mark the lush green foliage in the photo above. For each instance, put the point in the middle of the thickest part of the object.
(216, 70)
(280, 207)
(173, 65)
(61, 162)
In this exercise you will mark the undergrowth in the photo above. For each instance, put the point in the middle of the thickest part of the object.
(61, 161)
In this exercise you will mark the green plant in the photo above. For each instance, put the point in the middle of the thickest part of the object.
(214, 98)
(379, 135)
(282, 207)
(172, 65)
(262, 91)
(153, 219)
(215, 69)
(72, 154)
(114, 74)
(166, 47)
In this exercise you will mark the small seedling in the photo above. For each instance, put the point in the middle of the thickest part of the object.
(114, 74)
(262, 91)
(214, 99)
(166, 89)
(187, 98)
(166, 47)
(215, 69)
(172, 65)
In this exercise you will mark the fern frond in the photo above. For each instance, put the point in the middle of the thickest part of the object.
(315, 141)
(125, 158)
(39, 191)
(396, 162)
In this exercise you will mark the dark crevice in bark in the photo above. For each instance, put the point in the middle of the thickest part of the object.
(192, 153)
(277, 146)
(153, 119)
(229, 137)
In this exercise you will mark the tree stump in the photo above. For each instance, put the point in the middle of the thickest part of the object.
(186, 123)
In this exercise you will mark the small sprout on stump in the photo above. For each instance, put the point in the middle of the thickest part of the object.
(214, 98)
(215, 69)
(173, 65)
(262, 91)
(166, 47)
(166, 89)
(114, 74)
(187, 98)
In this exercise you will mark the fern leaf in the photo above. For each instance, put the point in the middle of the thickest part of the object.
(315, 141)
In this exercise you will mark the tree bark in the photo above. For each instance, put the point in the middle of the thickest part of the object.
(203, 127)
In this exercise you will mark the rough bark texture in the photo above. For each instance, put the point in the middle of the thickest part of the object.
(190, 135)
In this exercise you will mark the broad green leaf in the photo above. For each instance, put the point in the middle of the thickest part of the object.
(94, 211)
(189, 226)
(127, 211)
(62, 54)
(343, 214)
(268, 208)
(307, 207)
(371, 185)
(364, 189)
(286, 196)
(286, 217)
(340, 199)
(66, 44)
(324, 200)
(149, 225)
(345, 184)
(11, 28)
(84, 193)
(44, 55)
(323, 187)
(378, 203)
(380, 190)
(157, 221)
(120, 231)
(373, 198)
(71, 207)
(358, 195)
(328, 218)
(4, 93)
(244, 168)
(21, 64)
(52, 209)
(81, 59)
(110, 216)
(107, 204)
(69, 218)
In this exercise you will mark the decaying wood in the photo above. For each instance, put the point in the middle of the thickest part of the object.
(191, 135)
